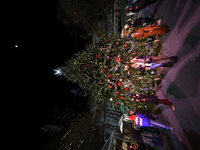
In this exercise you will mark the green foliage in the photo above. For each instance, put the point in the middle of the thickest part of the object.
(104, 70)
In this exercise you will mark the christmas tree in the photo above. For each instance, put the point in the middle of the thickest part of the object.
(104, 70)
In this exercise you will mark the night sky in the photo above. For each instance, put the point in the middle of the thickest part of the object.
(29, 88)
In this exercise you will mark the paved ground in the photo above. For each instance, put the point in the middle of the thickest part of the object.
(181, 83)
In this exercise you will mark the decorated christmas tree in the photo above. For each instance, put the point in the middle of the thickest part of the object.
(105, 70)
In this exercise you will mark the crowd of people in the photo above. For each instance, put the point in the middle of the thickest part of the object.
(141, 120)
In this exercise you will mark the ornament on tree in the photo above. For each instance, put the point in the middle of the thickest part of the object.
(126, 46)
(120, 97)
(132, 43)
(127, 83)
(113, 84)
(118, 43)
(126, 89)
(109, 57)
(118, 93)
(110, 86)
(110, 75)
(108, 50)
(58, 72)
(119, 59)
(118, 84)
(98, 56)
(126, 67)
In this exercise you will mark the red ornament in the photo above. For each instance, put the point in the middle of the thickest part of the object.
(126, 45)
(137, 80)
(107, 40)
(127, 89)
(104, 70)
(80, 74)
(94, 69)
(120, 97)
(118, 83)
(136, 53)
(88, 64)
(118, 59)
(110, 86)
(98, 56)
(118, 43)
(110, 75)
(118, 93)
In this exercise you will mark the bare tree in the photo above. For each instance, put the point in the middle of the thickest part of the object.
(85, 13)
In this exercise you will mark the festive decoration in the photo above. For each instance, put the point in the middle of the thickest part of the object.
(118, 43)
(104, 70)
(110, 86)
(110, 75)
(118, 59)
(98, 56)
(58, 72)
(126, 45)
(109, 57)
(118, 93)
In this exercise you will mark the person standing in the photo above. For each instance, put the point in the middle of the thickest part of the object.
(145, 138)
(140, 21)
(148, 66)
(144, 122)
(151, 58)
(147, 113)
(149, 30)
(153, 100)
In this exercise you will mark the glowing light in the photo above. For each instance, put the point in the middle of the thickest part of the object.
(58, 72)
(16, 46)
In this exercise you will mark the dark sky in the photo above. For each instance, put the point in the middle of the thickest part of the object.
(30, 90)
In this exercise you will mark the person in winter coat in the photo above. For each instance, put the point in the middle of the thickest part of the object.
(147, 113)
(140, 21)
(151, 58)
(146, 62)
(148, 66)
(153, 100)
(144, 122)
(149, 31)
(145, 138)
